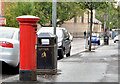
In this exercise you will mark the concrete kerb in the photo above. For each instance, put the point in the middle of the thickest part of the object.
(15, 80)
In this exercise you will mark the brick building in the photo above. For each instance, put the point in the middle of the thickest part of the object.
(2, 12)
(2, 4)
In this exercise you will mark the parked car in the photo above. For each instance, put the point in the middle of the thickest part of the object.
(117, 38)
(64, 42)
(70, 36)
(9, 46)
(95, 38)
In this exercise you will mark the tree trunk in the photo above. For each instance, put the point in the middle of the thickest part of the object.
(91, 21)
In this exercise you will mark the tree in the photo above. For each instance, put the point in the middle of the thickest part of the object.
(13, 10)
(10, 21)
(65, 12)
(69, 10)
(113, 18)
(93, 5)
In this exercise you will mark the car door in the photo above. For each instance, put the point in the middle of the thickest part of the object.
(67, 41)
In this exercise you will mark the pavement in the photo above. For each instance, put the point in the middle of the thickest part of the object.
(100, 65)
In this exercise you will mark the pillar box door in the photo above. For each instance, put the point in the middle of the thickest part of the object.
(27, 47)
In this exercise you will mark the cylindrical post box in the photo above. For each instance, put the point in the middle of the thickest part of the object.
(27, 47)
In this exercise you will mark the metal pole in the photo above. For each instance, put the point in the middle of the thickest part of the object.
(104, 26)
(109, 16)
(86, 44)
(54, 13)
(54, 7)
(105, 19)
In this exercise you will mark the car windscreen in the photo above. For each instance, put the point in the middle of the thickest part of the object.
(6, 33)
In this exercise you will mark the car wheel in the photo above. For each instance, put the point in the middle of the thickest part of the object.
(61, 54)
(8, 69)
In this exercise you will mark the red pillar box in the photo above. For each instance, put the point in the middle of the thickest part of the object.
(27, 47)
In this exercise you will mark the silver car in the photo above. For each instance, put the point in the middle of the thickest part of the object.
(9, 45)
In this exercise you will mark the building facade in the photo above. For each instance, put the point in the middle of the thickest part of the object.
(77, 26)
(2, 11)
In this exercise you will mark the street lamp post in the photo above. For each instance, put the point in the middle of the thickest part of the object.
(54, 14)
(105, 19)
(109, 16)
(54, 7)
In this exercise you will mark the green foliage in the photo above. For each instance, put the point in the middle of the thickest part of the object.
(13, 10)
(94, 5)
(113, 18)
(65, 11)
(10, 20)
(44, 11)
(91, 6)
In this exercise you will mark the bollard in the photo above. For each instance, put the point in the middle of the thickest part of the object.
(28, 58)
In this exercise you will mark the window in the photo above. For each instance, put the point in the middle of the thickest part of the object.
(65, 34)
(82, 19)
(75, 20)
(6, 33)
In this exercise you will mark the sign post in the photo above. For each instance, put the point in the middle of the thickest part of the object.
(105, 19)
(54, 13)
